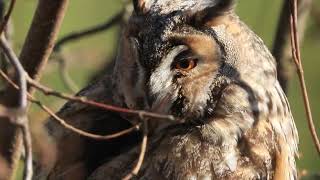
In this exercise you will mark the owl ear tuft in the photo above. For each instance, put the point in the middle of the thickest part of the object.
(191, 6)
(213, 9)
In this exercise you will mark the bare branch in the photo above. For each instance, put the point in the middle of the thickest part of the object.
(42, 35)
(35, 52)
(20, 118)
(63, 122)
(90, 31)
(20, 71)
(297, 59)
(7, 16)
(281, 47)
(143, 149)
(28, 170)
(66, 79)
(315, 12)
(83, 133)
(107, 107)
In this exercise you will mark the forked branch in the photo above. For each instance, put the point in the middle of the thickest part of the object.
(20, 117)
(63, 123)
(6, 17)
(35, 52)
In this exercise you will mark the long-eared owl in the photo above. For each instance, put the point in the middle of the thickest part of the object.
(195, 60)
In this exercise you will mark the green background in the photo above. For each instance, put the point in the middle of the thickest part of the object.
(88, 55)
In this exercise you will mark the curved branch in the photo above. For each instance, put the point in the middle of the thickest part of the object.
(83, 133)
(107, 107)
(66, 79)
(5, 19)
(142, 153)
(63, 122)
(90, 31)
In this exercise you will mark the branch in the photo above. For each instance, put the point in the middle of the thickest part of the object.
(281, 47)
(20, 71)
(20, 118)
(83, 133)
(42, 35)
(63, 123)
(107, 107)
(66, 79)
(90, 31)
(28, 169)
(315, 12)
(297, 59)
(35, 52)
(143, 149)
(5, 19)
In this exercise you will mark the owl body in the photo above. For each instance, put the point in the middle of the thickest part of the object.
(198, 61)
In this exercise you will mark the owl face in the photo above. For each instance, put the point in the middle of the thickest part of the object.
(176, 59)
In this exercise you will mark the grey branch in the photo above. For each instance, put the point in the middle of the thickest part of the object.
(34, 55)
(20, 118)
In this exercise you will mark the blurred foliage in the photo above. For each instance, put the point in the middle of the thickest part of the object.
(88, 55)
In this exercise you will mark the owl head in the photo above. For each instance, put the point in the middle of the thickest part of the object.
(177, 56)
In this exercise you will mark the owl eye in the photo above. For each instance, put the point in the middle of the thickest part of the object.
(186, 64)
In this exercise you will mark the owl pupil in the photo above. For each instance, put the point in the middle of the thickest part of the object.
(186, 64)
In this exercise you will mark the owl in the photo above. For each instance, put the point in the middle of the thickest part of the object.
(195, 60)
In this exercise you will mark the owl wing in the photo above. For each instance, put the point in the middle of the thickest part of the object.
(77, 155)
(286, 137)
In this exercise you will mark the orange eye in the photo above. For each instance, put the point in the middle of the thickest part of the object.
(186, 64)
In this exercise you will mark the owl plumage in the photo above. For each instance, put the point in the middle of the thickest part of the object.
(236, 119)
(197, 61)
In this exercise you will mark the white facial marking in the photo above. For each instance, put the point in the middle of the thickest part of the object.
(161, 79)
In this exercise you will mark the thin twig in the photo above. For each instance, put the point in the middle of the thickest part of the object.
(107, 107)
(86, 134)
(21, 118)
(66, 79)
(7, 16)
(143, 149)
(92, 30)
(28, 172)
(20, 71)
(63, 122)
(315, 12)
(83, 133)
(281, 46)
(297, 59)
